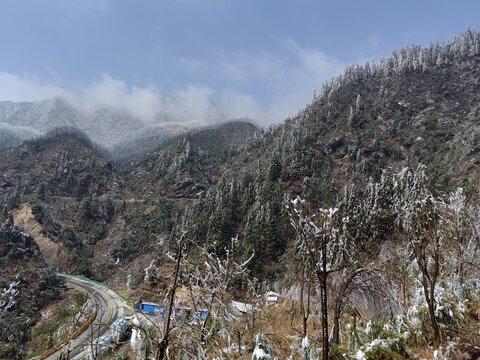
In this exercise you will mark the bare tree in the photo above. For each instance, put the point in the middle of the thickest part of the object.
(363, 287)
(163, 345)
(209, 277)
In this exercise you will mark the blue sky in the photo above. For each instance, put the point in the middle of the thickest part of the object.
(255, 58)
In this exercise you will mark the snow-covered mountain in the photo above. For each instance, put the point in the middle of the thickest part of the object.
(107, 126)
(150, 137)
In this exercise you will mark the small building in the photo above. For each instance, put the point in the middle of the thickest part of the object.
(271, 297)
(152, 308)
(240, 308)
(178, 311)
(188, 313)
(203, 313)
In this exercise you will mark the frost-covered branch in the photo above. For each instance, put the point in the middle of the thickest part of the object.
(209, 277)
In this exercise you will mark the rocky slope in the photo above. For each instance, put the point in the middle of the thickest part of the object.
(27, 285)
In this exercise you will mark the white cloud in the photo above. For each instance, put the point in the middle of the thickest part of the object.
(22, 131)
(191, 103)
(27, 88)
(287, 79)
(142, 102)
(315, 63)
(297, 67)
(106, 91)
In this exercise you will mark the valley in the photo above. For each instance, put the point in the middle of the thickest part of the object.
(360, 213)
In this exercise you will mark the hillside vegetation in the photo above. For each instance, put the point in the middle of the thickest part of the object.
(393, 146)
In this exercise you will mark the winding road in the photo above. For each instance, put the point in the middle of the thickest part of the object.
(110, 308)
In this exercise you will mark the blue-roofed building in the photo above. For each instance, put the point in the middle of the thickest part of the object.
(152, 308)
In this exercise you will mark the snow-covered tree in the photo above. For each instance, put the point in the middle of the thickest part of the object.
(419, 220)
(358, 103)
(262, 351)
(327, 251)
(209, 277)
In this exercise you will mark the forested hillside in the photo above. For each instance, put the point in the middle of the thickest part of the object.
(393, 146)
(420, 106)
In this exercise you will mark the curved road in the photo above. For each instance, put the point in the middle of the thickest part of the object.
(109, 309)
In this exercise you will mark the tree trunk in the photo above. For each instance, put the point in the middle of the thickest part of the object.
(429, 296)
(323, 287)
(338, 309)
(302, 305)
(429, 280)
(304, 326)
(305, 310)
(436, 328)
(292, 313)
(324, 316)
(239, 343)
(204, 324)
(336, 328)
(163, 345)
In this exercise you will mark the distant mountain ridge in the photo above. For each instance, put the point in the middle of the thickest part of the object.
(113, 128)
(105, 125)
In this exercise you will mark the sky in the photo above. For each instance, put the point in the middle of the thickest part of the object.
(251, 58)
